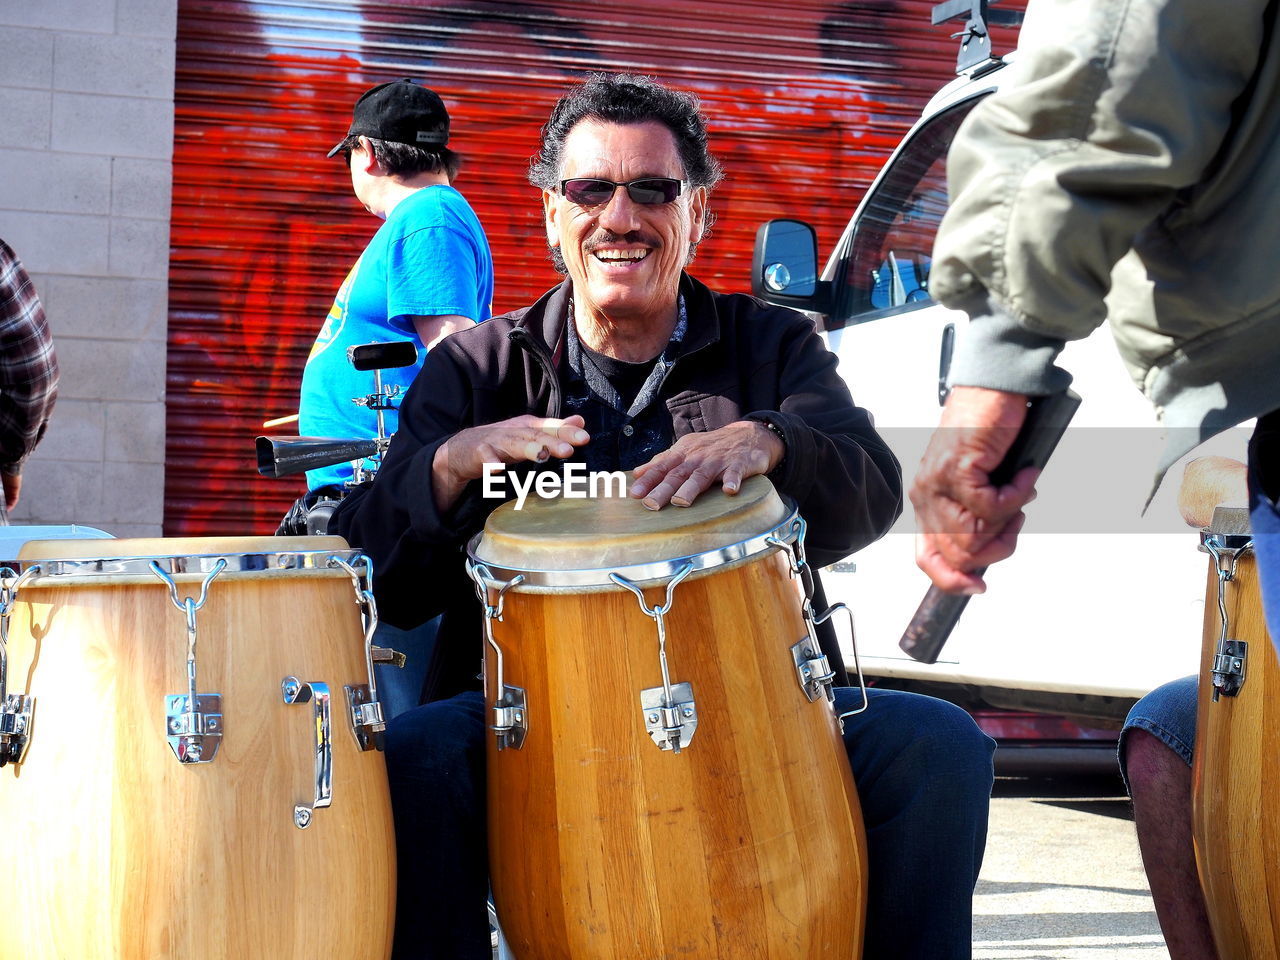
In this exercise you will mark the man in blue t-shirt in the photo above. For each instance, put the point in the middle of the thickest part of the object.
(426, 273)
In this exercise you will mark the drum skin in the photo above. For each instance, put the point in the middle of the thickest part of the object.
(1236, 779)
(746, 844)
(115, 850)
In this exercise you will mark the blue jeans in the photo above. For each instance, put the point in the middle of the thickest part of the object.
(1264, 523)
(1168, 713)
(924, 774)
(1264, 517)
(400, 688)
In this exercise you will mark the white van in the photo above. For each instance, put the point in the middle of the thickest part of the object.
(1101, 602)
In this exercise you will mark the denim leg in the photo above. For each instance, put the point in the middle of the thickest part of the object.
(1264, 516)
(924, 773)
(1264, 524)
(400, 688)
(1168, 713)
(435, 764)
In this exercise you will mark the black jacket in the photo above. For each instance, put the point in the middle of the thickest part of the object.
(741, 358)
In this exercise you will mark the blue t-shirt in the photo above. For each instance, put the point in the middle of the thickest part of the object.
(430, 258)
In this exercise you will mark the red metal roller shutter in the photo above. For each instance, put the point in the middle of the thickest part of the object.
(805, 103)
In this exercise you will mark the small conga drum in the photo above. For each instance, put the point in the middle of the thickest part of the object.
(190, 765)
(666, 777)
(1236, 774)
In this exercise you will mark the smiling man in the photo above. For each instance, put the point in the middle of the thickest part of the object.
(632, 364)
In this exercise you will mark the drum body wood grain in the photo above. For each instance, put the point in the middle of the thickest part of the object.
(747, 843)
(1236, 778)
(116, 850)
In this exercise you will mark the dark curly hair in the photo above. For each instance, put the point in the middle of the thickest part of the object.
(627, 98)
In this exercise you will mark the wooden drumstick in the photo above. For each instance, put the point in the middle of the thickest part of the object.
(1046, 421)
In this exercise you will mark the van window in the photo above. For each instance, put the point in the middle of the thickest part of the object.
(884, 269)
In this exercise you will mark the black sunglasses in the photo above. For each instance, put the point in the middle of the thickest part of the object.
(591, 191)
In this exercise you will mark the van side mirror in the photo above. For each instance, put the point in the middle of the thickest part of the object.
(784, 267)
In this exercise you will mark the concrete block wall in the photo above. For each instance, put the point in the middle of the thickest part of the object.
(86, 148)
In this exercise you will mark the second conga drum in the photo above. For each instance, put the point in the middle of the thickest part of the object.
(141, 826)
(1236, 774)
(661, 784)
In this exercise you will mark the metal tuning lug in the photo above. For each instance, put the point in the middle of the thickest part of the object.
(15, 727)
(670, 722)
(510, 718)
(1228, 668)
(193, 721)
(670, 716)
(15, 708)
(368, 724)
(194, 726)
(1226, 539)
(510, 708)
(813, 670)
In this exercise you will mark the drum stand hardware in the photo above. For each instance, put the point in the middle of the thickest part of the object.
(670, 714)
(367, 722)
(317, 694)
(510, 707)
(15, 708)
(1230, 656)
(813, 668)
(193, 721)
(379, 402)
(857, 664)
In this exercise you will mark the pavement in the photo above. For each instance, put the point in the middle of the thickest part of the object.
(1062, 878)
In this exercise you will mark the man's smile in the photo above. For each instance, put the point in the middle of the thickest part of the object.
(613, 255)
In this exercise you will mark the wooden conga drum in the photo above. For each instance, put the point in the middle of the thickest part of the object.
(665, 781)
(253, 823)
(1236, 774)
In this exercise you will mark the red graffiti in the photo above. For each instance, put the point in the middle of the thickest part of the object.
(803, 108)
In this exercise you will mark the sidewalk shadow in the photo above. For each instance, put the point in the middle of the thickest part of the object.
(1099, 795)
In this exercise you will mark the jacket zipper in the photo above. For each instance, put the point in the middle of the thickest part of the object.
(525, 341)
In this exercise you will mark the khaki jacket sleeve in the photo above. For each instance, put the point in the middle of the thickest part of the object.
(1113, 110)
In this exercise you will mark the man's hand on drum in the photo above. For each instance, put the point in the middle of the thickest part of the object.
(697, 460)
(462, 457)
(964, 522)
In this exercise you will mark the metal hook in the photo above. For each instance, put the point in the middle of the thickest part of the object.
(655, 612)
(173, 586)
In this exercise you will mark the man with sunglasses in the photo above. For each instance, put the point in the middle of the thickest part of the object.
(632, 364)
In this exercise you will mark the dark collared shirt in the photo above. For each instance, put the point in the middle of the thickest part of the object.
(28, 366)
(619, 401)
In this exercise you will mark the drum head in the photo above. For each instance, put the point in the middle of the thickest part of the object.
(611, 532)
(183, 557)
(80, 549)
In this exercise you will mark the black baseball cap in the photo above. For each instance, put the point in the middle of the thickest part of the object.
(401, 111)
